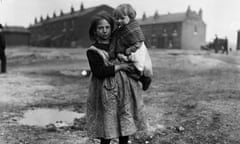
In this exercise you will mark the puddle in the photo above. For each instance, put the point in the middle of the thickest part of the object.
(45, 116)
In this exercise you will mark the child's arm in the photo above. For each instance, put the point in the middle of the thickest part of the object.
(133, 48)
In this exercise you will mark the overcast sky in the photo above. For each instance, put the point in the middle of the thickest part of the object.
(221, 16)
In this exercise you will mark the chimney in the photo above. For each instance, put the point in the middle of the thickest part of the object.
(200, 13)
(72, 10)
(47, 18)
(61, 13)
(81, 7)
(156, 15)
(41, 19)
(35, 21)
(54, 14)
(144, 16)
(188, 11)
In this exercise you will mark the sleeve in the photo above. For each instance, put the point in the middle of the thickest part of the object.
(97, 66)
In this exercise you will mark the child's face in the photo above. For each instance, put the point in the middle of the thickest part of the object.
(103, 30)
(123, 20)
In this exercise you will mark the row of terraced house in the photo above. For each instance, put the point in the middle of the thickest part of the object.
(185, 30)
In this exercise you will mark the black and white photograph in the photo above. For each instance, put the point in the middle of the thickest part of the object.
(119, 72)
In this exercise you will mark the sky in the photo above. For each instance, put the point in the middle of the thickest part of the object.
(221, 16)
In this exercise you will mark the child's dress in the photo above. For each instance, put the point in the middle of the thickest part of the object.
(142, 60)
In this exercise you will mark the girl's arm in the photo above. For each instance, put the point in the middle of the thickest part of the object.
(100, 70)
(97, 66)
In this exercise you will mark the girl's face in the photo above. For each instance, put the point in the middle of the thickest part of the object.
(123, 20)
(103, 30)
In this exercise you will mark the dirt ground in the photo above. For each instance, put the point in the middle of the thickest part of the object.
(194, 97)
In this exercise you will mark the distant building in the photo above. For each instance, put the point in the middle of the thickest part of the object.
(238, 40)
(185, 30)
(16, 36)
(67, 29)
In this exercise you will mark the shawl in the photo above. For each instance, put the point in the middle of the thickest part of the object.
(125, 37)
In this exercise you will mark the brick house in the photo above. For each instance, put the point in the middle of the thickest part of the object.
(185, 30)
(16, 36)
(66, 30)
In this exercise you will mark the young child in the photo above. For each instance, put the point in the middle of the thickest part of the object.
(128, 45)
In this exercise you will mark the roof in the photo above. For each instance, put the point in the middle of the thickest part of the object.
(167, 18)
(15, 29)
(75, 14)
(70, 15)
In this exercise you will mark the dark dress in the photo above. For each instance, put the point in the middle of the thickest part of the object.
(115, 104)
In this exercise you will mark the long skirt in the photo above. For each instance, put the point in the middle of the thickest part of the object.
(115, 107)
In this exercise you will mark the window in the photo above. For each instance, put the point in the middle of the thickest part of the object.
(164, 33)
(72, 25)
(195, 30)
(175, 33)
(64, 26)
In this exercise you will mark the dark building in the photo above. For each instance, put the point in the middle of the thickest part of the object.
(185, 30)
(16, 36)
(238, 40)
(67, 29)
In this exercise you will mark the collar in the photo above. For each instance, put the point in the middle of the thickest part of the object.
(101, 46)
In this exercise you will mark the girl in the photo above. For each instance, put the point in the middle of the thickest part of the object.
(114, 104)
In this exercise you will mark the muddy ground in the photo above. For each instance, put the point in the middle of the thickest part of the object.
(194, 97)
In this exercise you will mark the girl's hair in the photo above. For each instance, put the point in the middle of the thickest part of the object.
(124, 10)
(95, 21)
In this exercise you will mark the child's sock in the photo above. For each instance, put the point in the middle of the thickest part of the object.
(146, 81)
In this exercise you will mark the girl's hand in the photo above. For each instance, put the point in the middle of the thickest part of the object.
(124, 66)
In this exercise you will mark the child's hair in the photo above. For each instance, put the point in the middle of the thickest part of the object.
(124, 10)
(96, 19)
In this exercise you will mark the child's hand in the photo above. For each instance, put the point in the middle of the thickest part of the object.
(128, 51)
(133, 49)
(122, 57)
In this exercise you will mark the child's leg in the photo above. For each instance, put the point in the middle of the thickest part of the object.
(105, 141)
(135, 74)
(123, 140)
(146, 81)
(138, 75)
